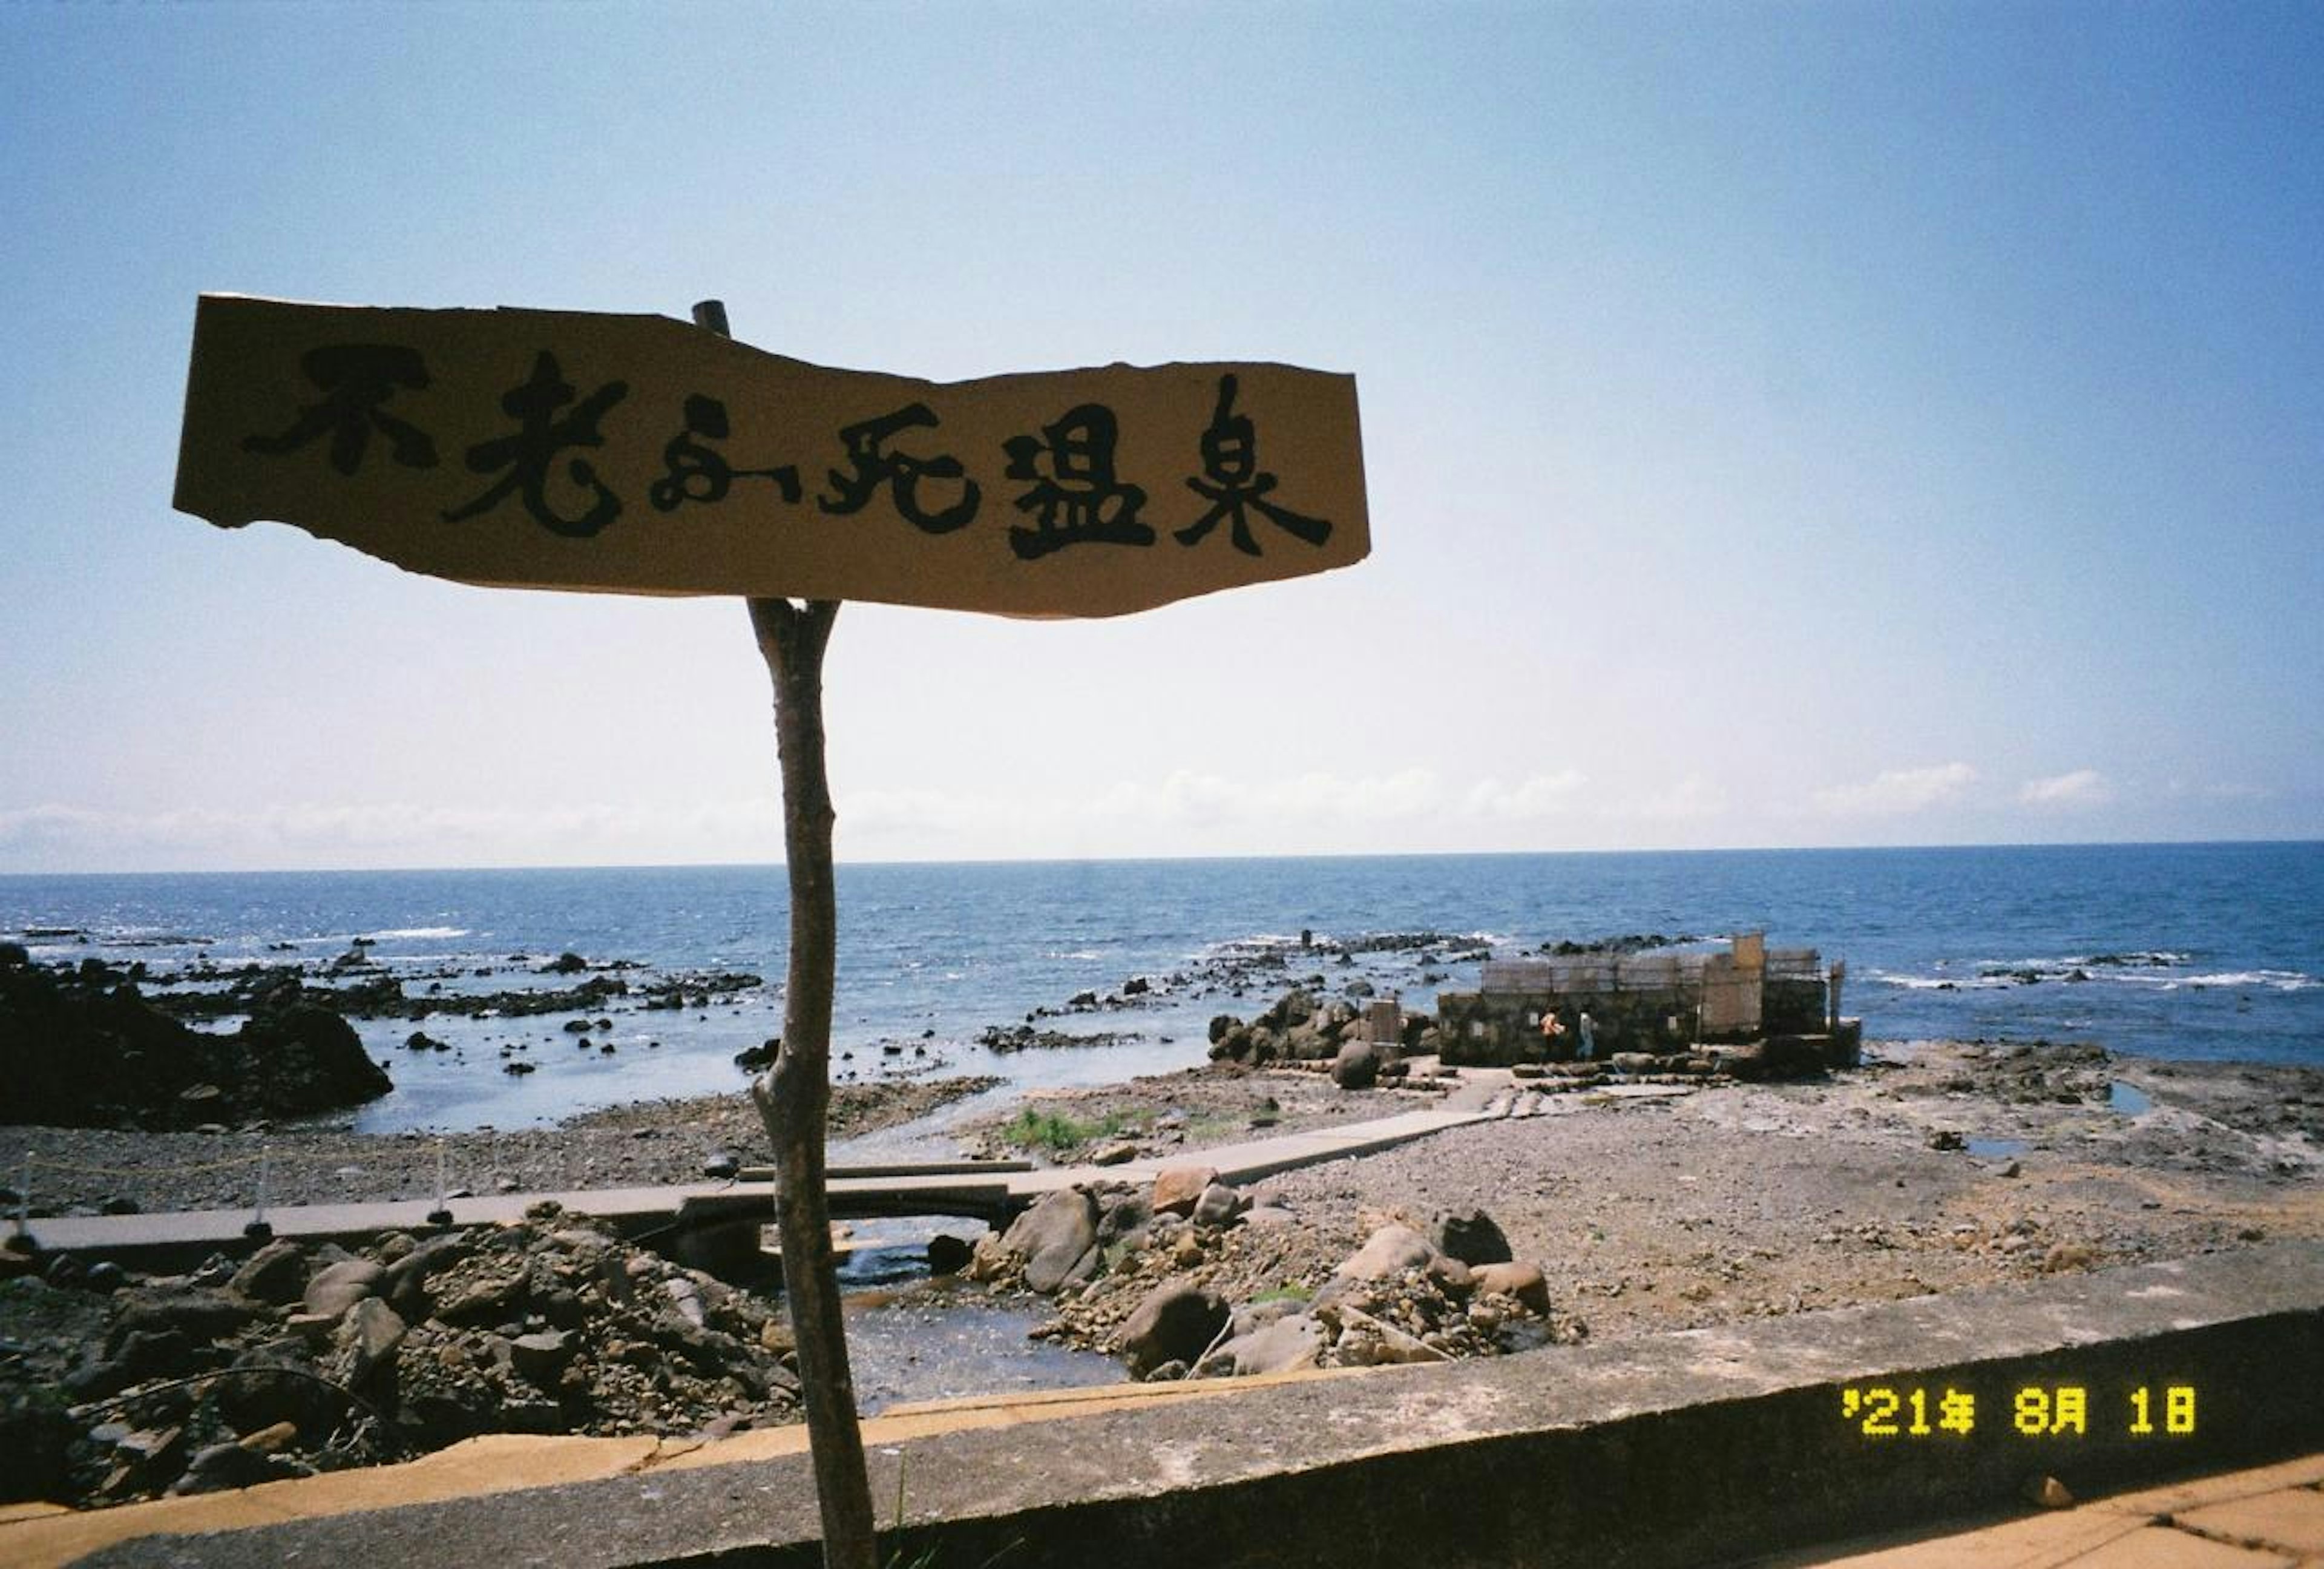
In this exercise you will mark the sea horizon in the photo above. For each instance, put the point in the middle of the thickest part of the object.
(1163, 860)
(2188, 949)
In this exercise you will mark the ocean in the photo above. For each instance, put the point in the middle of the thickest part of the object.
(2212, 951)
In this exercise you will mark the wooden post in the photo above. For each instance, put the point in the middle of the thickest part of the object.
(794, 1095)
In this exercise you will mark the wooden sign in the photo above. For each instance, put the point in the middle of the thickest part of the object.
(636, 454)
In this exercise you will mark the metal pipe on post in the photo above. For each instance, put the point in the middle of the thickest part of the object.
(794, 1095)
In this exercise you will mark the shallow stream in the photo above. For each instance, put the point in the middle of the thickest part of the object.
(911, 1337)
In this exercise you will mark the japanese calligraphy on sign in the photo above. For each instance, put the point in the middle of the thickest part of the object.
(636, 454)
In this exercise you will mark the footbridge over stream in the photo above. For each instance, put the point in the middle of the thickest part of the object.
(715, 1221)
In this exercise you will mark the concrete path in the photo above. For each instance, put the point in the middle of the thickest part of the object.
(636, 1209)
(2272, 1518)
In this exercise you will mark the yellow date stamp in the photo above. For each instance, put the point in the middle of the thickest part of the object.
(2035, 1411)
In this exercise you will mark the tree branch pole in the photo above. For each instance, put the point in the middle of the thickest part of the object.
(794, 1095)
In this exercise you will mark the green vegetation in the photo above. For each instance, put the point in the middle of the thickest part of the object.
(1213, 1126)
(1059, 1133)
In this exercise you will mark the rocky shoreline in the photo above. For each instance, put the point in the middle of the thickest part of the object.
(1610, 1209)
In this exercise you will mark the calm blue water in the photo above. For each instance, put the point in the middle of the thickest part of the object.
(2199, 950)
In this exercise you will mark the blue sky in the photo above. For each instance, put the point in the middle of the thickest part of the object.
(1784, 425)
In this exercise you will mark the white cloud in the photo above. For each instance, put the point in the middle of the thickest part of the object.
(1543, 794)
(1692, 798)
(1185, 797)
(1897, 790)
(2084, 787)
(393, 833)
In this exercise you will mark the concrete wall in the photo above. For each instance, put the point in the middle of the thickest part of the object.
(1707, 1448)
(1633, 1001)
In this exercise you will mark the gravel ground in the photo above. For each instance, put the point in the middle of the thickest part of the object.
(648, 1142)
(1727, 1202)
(1938, 1167)
(1742, 1201)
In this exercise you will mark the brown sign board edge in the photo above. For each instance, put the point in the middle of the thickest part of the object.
(244, 381)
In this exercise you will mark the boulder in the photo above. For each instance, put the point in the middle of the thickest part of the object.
(1389, 1251)
(1219, 1205)
(947, 1255)
(276, 1273)
(336, 1288)
(304, 1059)
(1523, 1282)
(1055, 1238)
(1176, 1322)
(1288, 1011)
(1470, 1236)
(368, 1337)
(1295, 1341)
(1176, 1188)
(1357, 1066)
(1128, 1213)
(542, 1355)
(198, 1313)
(488, 1297)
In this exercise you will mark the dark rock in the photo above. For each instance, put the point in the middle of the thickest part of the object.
(947, 1255)
(1177, 1188)
(1470, 1236)
(1053, 1238)
(84, 1049)
(230, 1465)
(1219, 1205)
(336, 1288)
(198, 1314)
(1126, 1211)
(37, 1437)
(489, 1297)
(722, 1166)
(274, 1383)
(142, 1354)
(1357, 1065)
(1176, 1322)
(542, 1355)
(567, 963)
(276, 1273)
(368, 1337)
